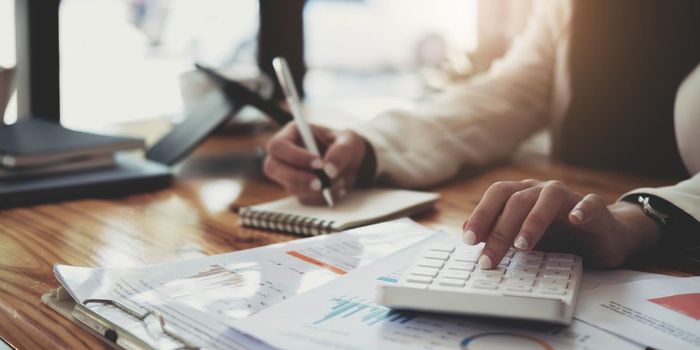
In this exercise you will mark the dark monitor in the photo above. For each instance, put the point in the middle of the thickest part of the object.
(38, 81)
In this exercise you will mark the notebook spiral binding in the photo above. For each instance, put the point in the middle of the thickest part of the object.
(288, 223)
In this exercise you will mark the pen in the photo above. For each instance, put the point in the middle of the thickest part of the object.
(284, 76)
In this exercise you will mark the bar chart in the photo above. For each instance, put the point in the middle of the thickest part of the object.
(365, 312)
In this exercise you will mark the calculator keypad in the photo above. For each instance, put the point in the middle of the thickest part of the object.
(530, 273)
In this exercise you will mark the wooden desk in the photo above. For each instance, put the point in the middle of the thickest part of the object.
(189, 220)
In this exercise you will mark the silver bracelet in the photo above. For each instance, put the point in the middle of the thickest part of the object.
(651, 212)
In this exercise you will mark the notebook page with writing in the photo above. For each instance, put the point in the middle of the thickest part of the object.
(359, 208)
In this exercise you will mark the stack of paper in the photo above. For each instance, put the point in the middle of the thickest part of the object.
(290, 296)
(196, 300)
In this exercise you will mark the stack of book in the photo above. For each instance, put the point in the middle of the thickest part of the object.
(37, 148)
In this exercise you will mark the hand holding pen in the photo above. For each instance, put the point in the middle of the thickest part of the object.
(300, 155)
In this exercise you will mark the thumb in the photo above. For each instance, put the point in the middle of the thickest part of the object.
(589, 211)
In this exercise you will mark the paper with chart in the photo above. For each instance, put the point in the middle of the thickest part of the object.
(664, 314)
(197, 297)
(342, 315)
(595, 278)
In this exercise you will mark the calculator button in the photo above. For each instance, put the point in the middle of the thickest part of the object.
(555, 282)
(524, 280)
(505, 261)
(438, 264)
(529, 262)
(559, 265)
(484, 285)
(553, 290)
(523, 271)
(415, 285)
(491, 277)
(463, 275)
(467, 255)
(561, 257)
(432, 254)
(424, 271)
(531, 255)
(556, 273)
(449, 248)
(419, 279)
(500, 270)
(463, 266)
(522, 288)
(451, 282)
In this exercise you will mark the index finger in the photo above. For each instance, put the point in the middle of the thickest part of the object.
(284, 147)
(484, 216)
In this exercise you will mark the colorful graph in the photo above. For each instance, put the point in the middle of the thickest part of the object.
(502, 340)
(213, 278)
(368, 313)
(393, 277)
(316, 261)
(686, 304)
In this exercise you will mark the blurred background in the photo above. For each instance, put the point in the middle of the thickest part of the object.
(122, 60)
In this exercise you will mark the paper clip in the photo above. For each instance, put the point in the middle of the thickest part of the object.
(142, 318)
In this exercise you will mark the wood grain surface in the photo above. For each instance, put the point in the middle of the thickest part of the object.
(192, 219)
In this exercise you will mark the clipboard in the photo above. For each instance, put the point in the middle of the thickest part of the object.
(111, 334)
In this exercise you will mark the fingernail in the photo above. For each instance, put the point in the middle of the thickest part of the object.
(315, 185)
(331, 170)
(521, 243)
(578, 214)
(317, 164)
(342, 192)
(484, 262)
(469, 237)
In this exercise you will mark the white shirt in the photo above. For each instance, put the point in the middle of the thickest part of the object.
(486, 118)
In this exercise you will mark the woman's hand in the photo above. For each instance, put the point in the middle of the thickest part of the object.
(290, 164)
(518, 214)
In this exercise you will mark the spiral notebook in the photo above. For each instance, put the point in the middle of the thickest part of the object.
(359, 208)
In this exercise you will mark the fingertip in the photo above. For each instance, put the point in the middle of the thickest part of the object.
(485, 262)
(330, 170)
(521, 243)
(315, 185)
(469, 237)
(316, 164)
(576, 216)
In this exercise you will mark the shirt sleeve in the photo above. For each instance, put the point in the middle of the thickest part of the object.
(684, 195)
(477, 122)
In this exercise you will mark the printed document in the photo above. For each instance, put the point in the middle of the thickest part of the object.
(198, 298)
(342, 315)
(661, 313)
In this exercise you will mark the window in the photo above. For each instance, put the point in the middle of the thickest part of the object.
(121, 59)
(7, 57)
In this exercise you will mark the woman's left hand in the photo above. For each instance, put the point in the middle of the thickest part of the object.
(518, 213)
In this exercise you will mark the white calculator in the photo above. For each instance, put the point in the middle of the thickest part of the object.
(526, 285)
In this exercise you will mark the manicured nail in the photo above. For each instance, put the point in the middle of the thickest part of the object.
(317, 164)
(469, 237)
(485, 262)
(315, 185)
(521, 243)
(331, 170)
(578, 214)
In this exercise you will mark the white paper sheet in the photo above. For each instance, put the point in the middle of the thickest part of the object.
(342, 315)
(662, 313)
(197, 297)
(593, 279)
